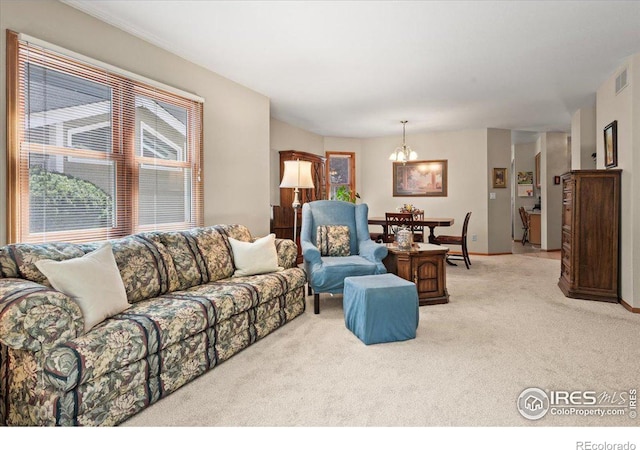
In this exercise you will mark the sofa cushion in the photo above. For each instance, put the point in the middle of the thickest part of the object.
(190, 265)
(254, 258)
(93, 281)
(144, 329)
(8, 267)
(150, 326)
(145, 272)
(236, 231)
(232, 296)
(215, 250)
(26, 255)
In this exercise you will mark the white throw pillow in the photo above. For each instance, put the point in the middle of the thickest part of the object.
(92, 280)
(253, 258)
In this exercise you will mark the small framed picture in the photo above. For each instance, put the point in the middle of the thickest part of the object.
(500, 177)
(611, 145)
(556, 179)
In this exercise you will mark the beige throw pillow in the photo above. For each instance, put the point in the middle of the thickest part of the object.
(253, 258)
(92, 280)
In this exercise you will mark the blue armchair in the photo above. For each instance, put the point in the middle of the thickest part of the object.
(326, 274)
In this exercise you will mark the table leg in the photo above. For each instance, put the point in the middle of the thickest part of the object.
(432, 236)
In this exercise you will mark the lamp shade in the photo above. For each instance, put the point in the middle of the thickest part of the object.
(297, 174)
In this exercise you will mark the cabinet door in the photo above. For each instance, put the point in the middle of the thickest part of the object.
(427, 275)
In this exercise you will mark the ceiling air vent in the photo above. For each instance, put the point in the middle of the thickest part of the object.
(621, 81)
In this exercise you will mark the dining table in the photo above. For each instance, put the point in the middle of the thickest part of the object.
(430, 222)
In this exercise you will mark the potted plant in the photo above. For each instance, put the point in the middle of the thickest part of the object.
(344, 194)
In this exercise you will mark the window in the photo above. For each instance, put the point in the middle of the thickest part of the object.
(341, 177)
(96, 154)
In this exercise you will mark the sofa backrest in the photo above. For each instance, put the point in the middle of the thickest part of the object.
(201, 255)
(150, 264)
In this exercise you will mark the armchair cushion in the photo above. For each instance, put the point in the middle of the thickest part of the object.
(333, 240)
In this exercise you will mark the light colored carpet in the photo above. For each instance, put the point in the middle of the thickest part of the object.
(507, 327)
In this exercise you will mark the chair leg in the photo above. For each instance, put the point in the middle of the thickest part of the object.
(316, 303)
(465, 255)
(309, 289)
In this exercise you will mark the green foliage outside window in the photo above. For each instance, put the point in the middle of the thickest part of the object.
(60, 202)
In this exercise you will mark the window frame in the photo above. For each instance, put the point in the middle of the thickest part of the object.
(352, 171)
(123, 153)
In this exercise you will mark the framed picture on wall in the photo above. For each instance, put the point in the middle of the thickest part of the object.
(611, 145)
(420, 178)
(525, 184)
(499, 177)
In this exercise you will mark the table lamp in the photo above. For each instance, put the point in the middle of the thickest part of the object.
(297, 175)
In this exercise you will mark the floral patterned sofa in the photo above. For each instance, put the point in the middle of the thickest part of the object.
(188, 314)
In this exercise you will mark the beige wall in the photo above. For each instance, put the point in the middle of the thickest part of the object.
(468, 186)
(236, 119)
(625, 108)
(466, 152)
(287, 137)
(498, 209)
(555, 160)
(583, 138)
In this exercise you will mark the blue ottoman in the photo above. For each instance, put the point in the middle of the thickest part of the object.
(380, 308)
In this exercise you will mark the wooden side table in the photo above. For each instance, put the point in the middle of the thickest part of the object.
(425, 265)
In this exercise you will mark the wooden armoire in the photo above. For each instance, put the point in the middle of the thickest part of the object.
(282, 216)
(590, 235)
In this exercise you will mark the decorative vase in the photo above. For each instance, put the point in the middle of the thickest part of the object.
(403, 239)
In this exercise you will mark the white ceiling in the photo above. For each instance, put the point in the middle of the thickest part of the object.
(355, 69)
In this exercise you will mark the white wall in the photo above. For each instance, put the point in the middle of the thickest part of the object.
(625, 108)
(236, 119)
(524, 161)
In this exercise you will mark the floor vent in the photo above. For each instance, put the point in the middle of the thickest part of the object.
(621, 81)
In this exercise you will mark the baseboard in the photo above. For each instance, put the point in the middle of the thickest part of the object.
(480, 254)
(552, 250)
(630, 308)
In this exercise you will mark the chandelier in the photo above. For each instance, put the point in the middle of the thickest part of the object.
(404, 153)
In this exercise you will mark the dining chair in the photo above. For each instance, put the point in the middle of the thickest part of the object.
(418, 230)
(395, 221)
(526, 221)
(457, 240)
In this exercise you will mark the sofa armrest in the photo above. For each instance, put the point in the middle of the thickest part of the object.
(33, 316)
(287, 253)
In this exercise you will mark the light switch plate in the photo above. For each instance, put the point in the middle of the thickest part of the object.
(492, 195)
